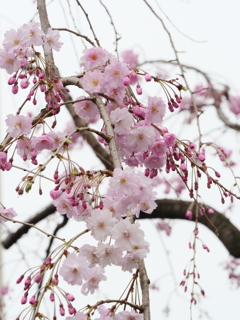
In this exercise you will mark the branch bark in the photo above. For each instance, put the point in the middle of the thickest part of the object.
(229, 235)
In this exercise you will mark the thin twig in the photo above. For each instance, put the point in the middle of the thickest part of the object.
(114, 28)
(181, 68)
(89, 22)
(76, 34)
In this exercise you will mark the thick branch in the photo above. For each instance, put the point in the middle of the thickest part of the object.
(229, 235)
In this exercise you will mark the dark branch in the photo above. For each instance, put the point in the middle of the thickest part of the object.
(229, 235)
(15, 236)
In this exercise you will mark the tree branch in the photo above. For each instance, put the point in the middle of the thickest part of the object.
(229, 235)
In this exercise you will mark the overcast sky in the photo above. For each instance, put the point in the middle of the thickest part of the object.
(214, 26)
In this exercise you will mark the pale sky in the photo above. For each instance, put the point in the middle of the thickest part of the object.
(215, 25)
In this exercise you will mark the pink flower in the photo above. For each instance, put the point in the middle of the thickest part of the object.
(18, 125)
(101, 224)
(24, 148)
(129, 315)
(115, 73)
(33, 33)
(74, 269)
(130, 58)
(122, 181)
(122, 120)
(51, 40)
(159, 148)
(155, 162)
(64, 206)
(94, 57)
(14, 40)
(45, 141)
(108, 254)
(9, 61)
(86, 110)
(156, 110)
(141, 138)
(78, 316)
(127, 235)
(8, 213)
(169, 139)
(95, 275)
(58, 138)
(55, 194)
(93, 81)
(4, 164)
(116, 93)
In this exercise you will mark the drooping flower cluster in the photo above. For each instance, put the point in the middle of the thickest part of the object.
(142, 143)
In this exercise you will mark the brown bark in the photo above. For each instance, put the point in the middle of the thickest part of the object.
(229, 235)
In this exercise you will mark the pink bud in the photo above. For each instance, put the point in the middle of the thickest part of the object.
(71, 310)
(42, 87)
(139, 90)
(169, 139)
(201, 157)
(24, 298)
(11, 81)
(211, 211)
(23, 62)
(61, 310)
(55, 176)
(196, 232)
(148, 77)
(56, 279)
(183, 167)
(32, 300)
(217, 174)
(189, 214)
(41, 76)
(147, 171)
(27, 282)
(101, 205)
(38, 277)
(126, 81)
(34, 161)
(52, 298)
(20, 279)
(15, 89)
(70, 297)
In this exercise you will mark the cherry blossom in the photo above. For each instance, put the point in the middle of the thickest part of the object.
(93, 81)
(95, 275)
(75, 269)
(115, 73)
(156, 109)
(130, 58)
(9, 61)
(18, 125)
(8, 213)
(101, 224)
(127, 235)
(78, 316)
(33, 34)
(94, 57)
(51, 40)
(86, 110)
(122, 120)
